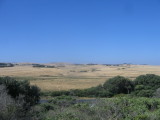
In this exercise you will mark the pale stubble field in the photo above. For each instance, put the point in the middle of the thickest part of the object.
(70, 76)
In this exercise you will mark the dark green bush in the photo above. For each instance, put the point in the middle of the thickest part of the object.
(11, 109)
(118, 85)
(63, 101)
(97, 91)
(31, 94)
(60, 93)
(157, 93)
(146, 85)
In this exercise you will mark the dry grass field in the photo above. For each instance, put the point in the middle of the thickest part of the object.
(70, 76)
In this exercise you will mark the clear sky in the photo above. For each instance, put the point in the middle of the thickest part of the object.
(80, 31)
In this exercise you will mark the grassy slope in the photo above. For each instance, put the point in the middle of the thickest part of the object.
(68, 76)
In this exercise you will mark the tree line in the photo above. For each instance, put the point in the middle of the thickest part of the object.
(19, 100)
(142, 86)
(6, 65)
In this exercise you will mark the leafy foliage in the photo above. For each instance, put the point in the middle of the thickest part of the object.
(66, 107)
(146, 85)
(16, 88)
(11, 109)
(118, 85)
(120, 108)
(157, 93)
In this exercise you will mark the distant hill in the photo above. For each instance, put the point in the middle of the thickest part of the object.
(6, 65)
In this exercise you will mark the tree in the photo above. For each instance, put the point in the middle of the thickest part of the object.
(21, 88)
(118, 84)
(146, 85)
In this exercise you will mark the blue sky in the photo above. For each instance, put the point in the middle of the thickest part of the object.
(80, 31)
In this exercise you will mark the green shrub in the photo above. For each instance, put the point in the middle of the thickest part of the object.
(118, 85)
(146, 85)
(11, 109)
(63, 101)
(59, 93)
(157, 93)
(31, 94)
(48, 106)
(119, 108)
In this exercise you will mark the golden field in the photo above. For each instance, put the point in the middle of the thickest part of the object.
(71, 76)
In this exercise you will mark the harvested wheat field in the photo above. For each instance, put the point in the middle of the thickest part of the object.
(74, 76)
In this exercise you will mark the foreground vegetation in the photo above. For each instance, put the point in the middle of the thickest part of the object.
(117, 108)
(117, 99)
(17, 99)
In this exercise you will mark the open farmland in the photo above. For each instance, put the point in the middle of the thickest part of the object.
(74, 76)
